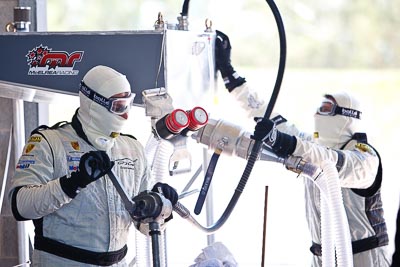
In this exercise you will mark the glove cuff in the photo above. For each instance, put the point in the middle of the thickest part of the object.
(233, 80)
(278, 119)
(70, 185)
(284, 145)
(230, 77)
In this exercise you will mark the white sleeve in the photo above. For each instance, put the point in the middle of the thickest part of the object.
(359, 167)
(40, 193)
(291, 129)
(249, 100)
(36, 201)
(254, 106)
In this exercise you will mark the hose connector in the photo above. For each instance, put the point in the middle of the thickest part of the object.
(172, 124)
(300, 166)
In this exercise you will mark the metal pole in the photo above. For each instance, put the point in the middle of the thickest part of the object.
(264, 227)
(19, 141)
(5, 176)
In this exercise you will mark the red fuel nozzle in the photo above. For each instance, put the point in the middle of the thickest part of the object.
(197, 118)
(172, 124)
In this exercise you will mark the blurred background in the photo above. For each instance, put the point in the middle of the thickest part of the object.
(331, 45)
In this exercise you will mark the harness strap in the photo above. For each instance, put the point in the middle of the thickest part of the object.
(357, 246)
(340, 161)
(78, 254)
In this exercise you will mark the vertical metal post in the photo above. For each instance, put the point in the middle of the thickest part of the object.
(264, 227)
(19, 141)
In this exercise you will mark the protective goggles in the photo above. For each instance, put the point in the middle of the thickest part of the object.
(329, 108)
(116, 105)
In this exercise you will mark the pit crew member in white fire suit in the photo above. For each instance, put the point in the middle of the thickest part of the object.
(337, 128)
(61, 180)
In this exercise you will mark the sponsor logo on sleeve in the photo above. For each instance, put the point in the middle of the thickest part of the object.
(25, 164)
(35, 139)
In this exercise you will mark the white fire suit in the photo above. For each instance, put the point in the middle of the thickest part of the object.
(95, 223)
(360, 175)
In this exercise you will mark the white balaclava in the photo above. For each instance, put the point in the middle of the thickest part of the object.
(334, 131)
(100, 125)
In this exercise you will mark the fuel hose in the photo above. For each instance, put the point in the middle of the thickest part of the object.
(257, 144)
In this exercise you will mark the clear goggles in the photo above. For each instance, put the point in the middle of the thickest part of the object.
(116, 105)
(330, 108)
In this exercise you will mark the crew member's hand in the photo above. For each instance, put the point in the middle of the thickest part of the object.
(281, 144)
(168, 192)
(223, 62)
(92, 166)
(265, 131)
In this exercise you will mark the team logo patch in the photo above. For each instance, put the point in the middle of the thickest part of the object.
(35, 139)
(43, 61)
(29, 148)
(75, 145)
(253, 103)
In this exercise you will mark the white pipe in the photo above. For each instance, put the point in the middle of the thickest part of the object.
(160, 166)
(142, 242)
(19, 141)
(338, 213)
(335, 232)
(150, 149)
(327, 235)
(5, 176)
(160, 172)
(157, 153)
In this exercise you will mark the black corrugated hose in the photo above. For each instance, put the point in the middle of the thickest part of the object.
(257, 145)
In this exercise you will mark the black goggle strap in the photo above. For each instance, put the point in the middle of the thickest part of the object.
(98, 98)
(348, 112)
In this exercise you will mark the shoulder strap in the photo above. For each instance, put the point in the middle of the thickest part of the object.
(360, 137)
(131, 136)
(45, 127)
(370, 191)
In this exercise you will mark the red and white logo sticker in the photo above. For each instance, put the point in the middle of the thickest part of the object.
(43, 61)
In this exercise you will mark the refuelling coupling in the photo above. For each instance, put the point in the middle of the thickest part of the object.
(175, 127)
(180, 122)
(172, 124)
(198, 118)
(237, 142)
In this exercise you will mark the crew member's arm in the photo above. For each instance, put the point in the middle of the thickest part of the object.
(35, 192)
(358, 165)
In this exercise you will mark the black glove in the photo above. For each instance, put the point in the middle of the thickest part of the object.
(223, 62)
(92, 166)
(282, 144)
(168, 192)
